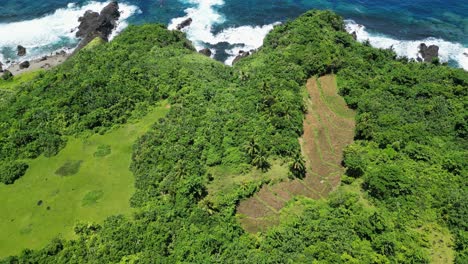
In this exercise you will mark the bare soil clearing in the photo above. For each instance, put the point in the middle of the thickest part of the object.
(328, 129)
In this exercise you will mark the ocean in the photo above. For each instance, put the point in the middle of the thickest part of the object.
(228, 26)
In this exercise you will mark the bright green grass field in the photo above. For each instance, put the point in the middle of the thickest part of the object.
(19, 79)
(101, 185)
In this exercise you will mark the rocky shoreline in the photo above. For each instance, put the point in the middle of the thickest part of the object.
(92, 25)
(46, 62)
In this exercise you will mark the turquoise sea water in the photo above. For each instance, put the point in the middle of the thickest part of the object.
(227, 26)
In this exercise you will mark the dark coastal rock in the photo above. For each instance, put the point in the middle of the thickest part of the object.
(87, 23)
(7, 75)
(24, 65)
(111, 11)
(43, 58)
(242, 54)
(93, 24)
(21, 51)
(1, 67)
(428, 53)
(187, 22)
(354, 35)
(60, 53)
(207, 52)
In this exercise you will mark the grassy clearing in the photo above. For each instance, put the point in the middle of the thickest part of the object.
(440, 243)
(42, 204)
(329, 93)
(226, 181)
(19, 79)
(97, 41)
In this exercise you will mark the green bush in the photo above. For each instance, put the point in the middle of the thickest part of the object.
(10, 171)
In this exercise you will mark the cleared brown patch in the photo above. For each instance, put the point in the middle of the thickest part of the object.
(328, 128)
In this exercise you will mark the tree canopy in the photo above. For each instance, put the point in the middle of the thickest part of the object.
(406, 170)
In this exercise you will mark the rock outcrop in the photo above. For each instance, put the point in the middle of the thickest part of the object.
(93, 24)
(187, 22)
(242, 54)
(21, 51)
(24, 65)
(207, 52)
(7, 75)
(1, 67)
(354, 35)
(428, 53)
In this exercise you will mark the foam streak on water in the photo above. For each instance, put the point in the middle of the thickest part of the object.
(205, 16)
(448, 51)
(39, 36)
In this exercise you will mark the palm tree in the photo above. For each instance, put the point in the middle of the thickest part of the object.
(261, 161)
(252, 148)
(297, 166)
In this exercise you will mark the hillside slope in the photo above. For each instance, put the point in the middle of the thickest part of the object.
(405, 178)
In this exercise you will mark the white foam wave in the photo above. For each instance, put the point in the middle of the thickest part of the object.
(204, 17)
(410, 48)
(42, 32)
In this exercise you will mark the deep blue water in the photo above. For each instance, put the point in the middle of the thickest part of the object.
(393, 20)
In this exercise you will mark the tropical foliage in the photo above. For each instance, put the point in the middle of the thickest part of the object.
(407, 169)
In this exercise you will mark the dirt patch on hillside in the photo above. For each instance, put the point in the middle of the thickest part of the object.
(328, 129)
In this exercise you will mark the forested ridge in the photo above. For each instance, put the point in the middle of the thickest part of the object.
(406, 172)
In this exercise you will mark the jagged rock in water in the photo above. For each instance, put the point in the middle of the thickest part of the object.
(93, 24)
(207, 52)
(187, 22)
(21, 51)
(242, 54)
(428, 53)
(60, 53)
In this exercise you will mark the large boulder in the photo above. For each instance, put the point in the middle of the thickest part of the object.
(187, 22)
(108, 19)
(354, 35)
(21, 51)
(93, 24)
(88, 23)
(1, 67)
(24, 65)
(428, 53)
(207, 52)
(242, 54)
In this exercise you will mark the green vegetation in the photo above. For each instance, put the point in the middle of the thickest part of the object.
(406, 171)
(94, 43)
(102, 151)
(43, 205)
(325, 136)
(70, 167)
(78, 97)
(92, 197)
(19, 79)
